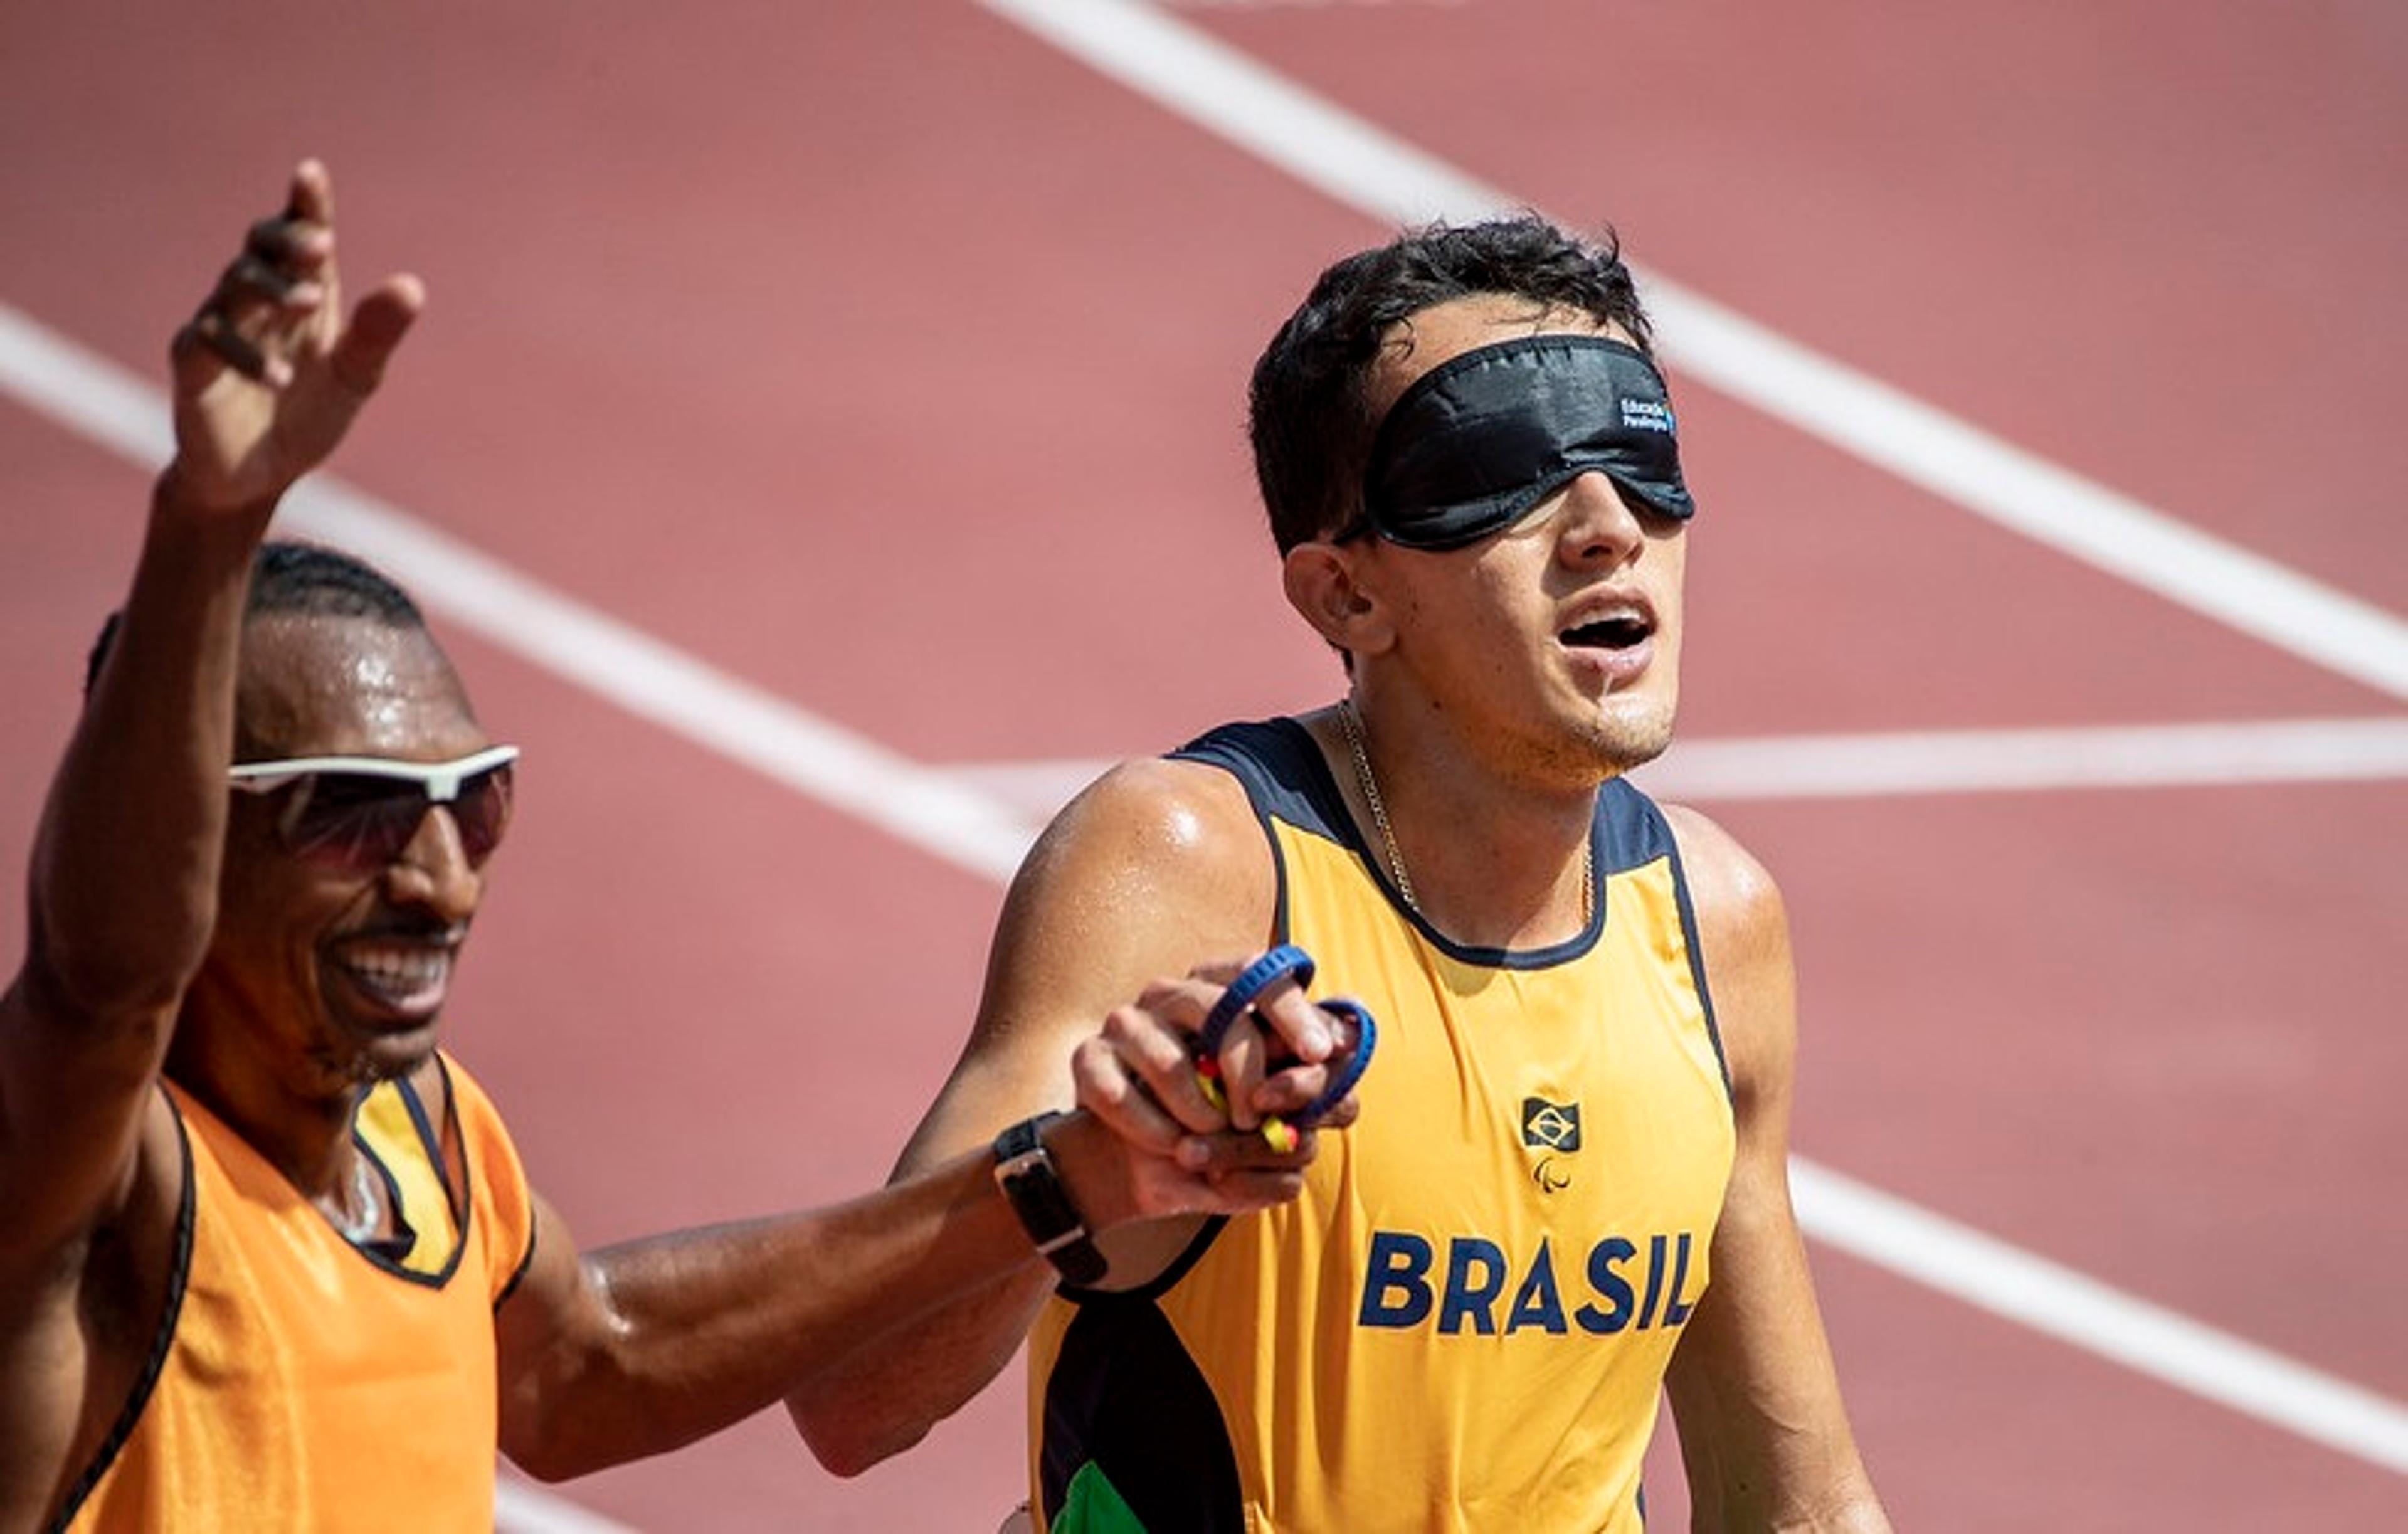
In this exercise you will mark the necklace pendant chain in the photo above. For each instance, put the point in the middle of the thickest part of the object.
(1351, 725)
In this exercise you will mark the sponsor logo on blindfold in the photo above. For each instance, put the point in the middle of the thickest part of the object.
(1646, 415)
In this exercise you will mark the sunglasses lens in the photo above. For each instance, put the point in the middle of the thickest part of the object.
(353, 820)
(359, 823)
(482, 811)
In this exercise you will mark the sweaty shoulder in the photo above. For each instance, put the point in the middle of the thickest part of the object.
(1732, 892)
(1157, 866)
(1178, 834)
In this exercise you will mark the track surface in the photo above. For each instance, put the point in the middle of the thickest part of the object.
(890, 360)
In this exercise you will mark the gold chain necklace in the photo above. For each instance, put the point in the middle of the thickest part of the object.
(1351, 725)
(1348, 722)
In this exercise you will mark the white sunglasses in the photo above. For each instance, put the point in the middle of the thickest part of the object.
(359, 812)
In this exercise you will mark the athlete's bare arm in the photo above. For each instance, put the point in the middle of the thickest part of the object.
(642, 1347)
(1158, 868)
(1764, 1437)
(638, 1348)
(123, 886)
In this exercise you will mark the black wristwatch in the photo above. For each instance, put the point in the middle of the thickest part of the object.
(1025, 1174)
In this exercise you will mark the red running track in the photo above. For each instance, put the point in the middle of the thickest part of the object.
(890, 360)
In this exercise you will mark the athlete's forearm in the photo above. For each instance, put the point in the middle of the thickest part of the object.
(674, 1337)
(884, 1397)
(881, 1398)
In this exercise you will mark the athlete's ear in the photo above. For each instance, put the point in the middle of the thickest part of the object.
(1325, 583)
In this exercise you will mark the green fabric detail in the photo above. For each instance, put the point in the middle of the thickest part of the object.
(1091, 1506)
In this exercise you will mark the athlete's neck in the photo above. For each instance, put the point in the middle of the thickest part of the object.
(1490, 860)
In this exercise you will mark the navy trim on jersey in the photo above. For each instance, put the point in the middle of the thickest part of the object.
(1697, 963)
(526, 1258)
(179, 1272)
(1286, 779)
(525, 1263)
(456, 1198)
(1270, 765)
(387, 1253)
(1159, 1285)
(387, 1250)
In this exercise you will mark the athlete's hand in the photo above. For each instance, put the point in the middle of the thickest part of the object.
(1114, 1178)
(1138, 1077)
(268, 374)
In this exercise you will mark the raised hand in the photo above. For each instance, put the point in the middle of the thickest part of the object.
(268, 374)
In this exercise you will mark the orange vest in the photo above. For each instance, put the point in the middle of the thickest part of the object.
(305, 1383)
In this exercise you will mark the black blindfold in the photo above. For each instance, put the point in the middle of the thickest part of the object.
(1478, 440)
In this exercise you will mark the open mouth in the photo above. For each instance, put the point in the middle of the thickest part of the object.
(1620, 632)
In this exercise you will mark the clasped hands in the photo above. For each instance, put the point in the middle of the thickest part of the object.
(1226, 1076)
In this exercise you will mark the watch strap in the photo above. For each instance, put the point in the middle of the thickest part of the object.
(1024, 1170)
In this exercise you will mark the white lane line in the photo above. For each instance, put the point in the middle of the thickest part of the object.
(656, 681)
(1887, 765)
(2002, 760)
(1356, 161)
(521, 1507)
(102, 401)
(1346, 157)
(649, 678)
(2059, 1302)
(84, 392)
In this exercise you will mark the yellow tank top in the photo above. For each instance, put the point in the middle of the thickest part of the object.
(1464, 1323)
(303, 1381)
